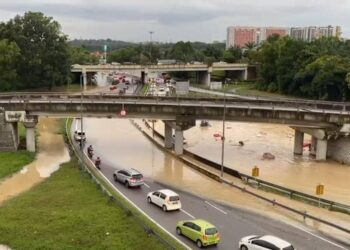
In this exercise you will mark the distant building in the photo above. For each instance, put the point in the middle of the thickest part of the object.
(241, 35)
(313, 32)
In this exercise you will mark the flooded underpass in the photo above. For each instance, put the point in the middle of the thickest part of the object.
(120, 144)
(52, 152)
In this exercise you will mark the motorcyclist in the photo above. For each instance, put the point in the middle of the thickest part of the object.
(98, 162)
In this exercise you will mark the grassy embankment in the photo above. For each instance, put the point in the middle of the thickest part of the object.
(67, 211)
(11, 162)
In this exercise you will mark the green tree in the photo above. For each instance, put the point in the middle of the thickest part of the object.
(79, 55)
(233, 55)
(9, 55)
(44, 60)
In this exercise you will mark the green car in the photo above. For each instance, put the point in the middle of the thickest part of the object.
(200, 231)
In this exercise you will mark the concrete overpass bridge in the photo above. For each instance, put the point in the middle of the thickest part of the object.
(323, 120)
(204, 71)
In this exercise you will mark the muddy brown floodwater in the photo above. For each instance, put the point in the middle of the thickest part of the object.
(121, 145)
(301, 173)
(52, 152)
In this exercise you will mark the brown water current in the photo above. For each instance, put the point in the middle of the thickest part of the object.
(301, 173)
(120, 144)
(51, 153)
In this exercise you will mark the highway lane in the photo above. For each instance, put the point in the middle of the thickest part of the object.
(232, 223)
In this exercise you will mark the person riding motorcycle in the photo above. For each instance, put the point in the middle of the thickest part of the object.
(98, 162)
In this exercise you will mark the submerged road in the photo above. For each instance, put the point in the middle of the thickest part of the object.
(232, 223)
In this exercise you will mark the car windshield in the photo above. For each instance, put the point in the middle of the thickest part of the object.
(174, 198)
(210, 231)
(289, 248)
(137, 176)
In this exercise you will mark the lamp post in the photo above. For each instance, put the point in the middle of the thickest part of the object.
(150, 45)
(81, 112)
(223, 133)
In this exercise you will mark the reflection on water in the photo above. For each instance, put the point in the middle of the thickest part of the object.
(296, 172)
(51, 153)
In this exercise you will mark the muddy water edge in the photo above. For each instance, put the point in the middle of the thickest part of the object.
(52, 152)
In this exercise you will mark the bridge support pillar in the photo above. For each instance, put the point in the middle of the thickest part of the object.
(84, 76)
(179, 137)
(205, 78)
(168, 136)
(245, 74)
(298, 142)
(321, 150)
(143, 77)
(30, 134)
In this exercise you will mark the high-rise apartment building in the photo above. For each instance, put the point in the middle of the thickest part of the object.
(312, 32)
(241, 35)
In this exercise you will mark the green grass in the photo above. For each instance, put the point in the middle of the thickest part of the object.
(68, 211)
(11, 162)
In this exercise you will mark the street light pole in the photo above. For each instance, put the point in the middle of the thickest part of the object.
(150, 45)
(81, 112)
(223, 135)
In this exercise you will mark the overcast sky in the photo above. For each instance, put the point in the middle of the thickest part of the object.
(174, 20)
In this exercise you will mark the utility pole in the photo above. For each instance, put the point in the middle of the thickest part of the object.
(150, 45)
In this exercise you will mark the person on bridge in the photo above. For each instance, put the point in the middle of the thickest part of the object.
(98, 162)
(90, 151)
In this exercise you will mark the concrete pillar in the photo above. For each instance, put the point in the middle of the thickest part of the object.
(168, 136)
(15, 134)
(313, 145)
(245, 74)
(321, 150)
(30, 136)
(205, 78)
(179, 137)
(298, 142)
(84, 80)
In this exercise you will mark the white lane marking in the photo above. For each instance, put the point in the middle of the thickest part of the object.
(187, 213)
(140, 210)
(321, 238)
(146, 185)
(220, 210)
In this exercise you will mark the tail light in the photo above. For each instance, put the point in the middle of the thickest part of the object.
(205, 237)
(133, 180)
(218, 235)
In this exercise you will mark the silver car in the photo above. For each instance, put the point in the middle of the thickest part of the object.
(129, 177)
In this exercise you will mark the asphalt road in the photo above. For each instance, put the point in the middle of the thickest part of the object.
(232, 223)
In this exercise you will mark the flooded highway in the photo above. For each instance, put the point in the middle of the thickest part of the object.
(301, 173)
(120, 144)
(51, 153)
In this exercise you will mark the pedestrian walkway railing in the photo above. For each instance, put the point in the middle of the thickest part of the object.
(271, 187)
(150, 226)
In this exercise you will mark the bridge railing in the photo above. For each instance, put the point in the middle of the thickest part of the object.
(302, 105)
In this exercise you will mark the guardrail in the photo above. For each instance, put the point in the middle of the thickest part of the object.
(292, 193)
(302, 105)
(87, 166)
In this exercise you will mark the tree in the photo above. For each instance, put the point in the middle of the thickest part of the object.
(44, 60)
(79, 55)
(9, 55)
(233, 55)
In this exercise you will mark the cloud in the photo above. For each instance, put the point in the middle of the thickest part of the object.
(179, 19)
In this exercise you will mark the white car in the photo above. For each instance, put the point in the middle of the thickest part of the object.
(166, 199)
(266, 242)
(78, 135)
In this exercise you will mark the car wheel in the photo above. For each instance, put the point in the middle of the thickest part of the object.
(243, 247)
(164, 208)
(199, 244)
(149, 199)
(115, 177)
(126, 184)
(178, 231)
